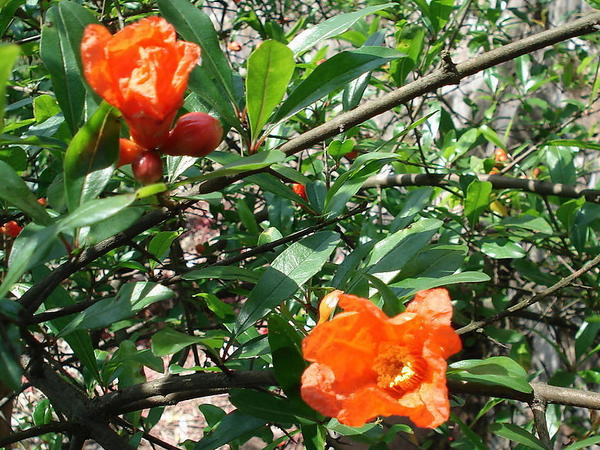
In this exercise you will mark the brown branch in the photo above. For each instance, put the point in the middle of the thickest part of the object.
(173, 389)
(531, 300)
(498, 182)
(538, 408)
(53, 427)
(448, 74)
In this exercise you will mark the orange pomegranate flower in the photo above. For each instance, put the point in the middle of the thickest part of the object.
(366, 364)
(143, 71)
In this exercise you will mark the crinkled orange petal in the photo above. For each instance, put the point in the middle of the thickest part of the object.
(361, 305)
(143, 71)
(317, 390)
(347, 346)
(366, 404)
(433, 304)
(444, 342)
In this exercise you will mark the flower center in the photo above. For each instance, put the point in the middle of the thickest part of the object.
(399, 370)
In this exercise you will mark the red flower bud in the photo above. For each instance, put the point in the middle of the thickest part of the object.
(11, 228)
(300, 190)
(234, 46)
(147, 167)
(128, 151)
(195, 134)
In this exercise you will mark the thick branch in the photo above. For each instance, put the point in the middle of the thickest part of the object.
(175, 388)
(498, 182)
(446, 75)
(531, 300)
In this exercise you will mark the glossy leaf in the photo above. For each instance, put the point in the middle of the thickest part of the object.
(477, 200)
(96, 211)
(168, 341)
(290, 270)
(333, 74)
(288, 363)
(498, 370)
(410, 286)
(60, 51)
(502, 248)
(270, 68)
(15, 192)
(233, 426)
(131, 298)
(91, 156)
(195, 26)
(330, 28)
(30, 248)
(223, 273)
(8, 56)
(391, 254)
(517, 434)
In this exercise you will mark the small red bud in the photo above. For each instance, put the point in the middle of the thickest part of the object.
(147, 167)
(234, 46)
(300, 190)
(500, 155)
(11, 228)
(128, 151)
(195, 134)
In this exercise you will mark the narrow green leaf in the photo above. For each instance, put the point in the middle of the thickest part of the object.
(498, 370)
(561, 165)
(15, 192)
(8, 8)
(233, 426)
(501, 248)
(330, 28)
(131, 298)
(286, 348)
(60, 52)
(517, 434)
(270, 68)
(91, 156)
(314, 436)
(333, 74)
(11, 370)
(168, 341)
(392, 253)
(477, 200)
(290, 270)
(8, 56)
(195, 26)
(223, 273)
(257, 161)
(96, 211)
(584, 443)
(410, 286)
(31, 247)
(267, 407)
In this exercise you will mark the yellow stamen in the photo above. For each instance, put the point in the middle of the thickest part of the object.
(399, 370)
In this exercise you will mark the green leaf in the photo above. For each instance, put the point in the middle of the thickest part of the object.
(160, 245)
(410, 286)
(391, 254)
(435, 261)
(8, 8)
(91, 157)
(168, 341)
(410, 41)
(10, 352)
(267, 407)
(223, 273)
(270, 68)
(208, 92)
(561, 165)
(501, 248)
(517, 434)
(60, 52)
(8, 56)
(15, 192)
(31, 247)
(131, 298)
(314, 436)
(290, 270)
(498, 370)
(333, 74)
(96, 211)
(286, 348)
(195, 26)
(584, 443)
(233, 426)
(477, 200)
(257, 161)
(330, 28)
